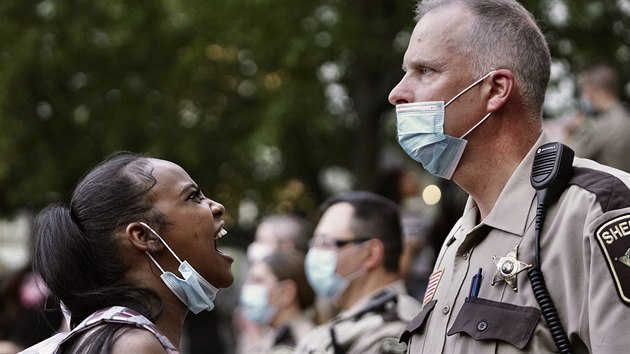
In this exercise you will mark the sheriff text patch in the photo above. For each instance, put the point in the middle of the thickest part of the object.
(613, 237)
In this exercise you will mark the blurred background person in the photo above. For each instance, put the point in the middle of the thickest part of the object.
(286, 232)
(601, 131)
(28, 311)
(275, 232)
(416, 262)
(277, 295)
(354, 261)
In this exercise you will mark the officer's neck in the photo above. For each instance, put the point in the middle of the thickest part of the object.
(365, 286)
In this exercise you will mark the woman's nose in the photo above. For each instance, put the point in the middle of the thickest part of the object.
(217, 209)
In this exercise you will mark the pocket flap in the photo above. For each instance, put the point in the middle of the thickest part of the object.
(414, 325)
(485, 319)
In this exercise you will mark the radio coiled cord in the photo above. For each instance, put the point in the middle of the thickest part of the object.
(541, 293)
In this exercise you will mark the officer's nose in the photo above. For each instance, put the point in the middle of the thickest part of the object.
(400, 93)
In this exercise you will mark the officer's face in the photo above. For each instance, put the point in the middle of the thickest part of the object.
(334, 232)
(436, 69)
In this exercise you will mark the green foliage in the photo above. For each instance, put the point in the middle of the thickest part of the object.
(253, 97)
(582, 32)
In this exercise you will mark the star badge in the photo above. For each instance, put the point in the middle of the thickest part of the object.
(625, 259)
(508, 267)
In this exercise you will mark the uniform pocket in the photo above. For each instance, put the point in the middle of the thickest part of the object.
(415, 325)
(485, 319)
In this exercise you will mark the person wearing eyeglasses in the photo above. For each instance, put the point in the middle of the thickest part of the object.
(353, 261)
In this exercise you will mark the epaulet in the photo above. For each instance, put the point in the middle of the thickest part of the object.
(611, 234)
(385, 303)
(610, 191)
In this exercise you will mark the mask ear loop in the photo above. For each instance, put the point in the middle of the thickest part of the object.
(165, 244)
(476, 125)
(463, 92)
(469, 87)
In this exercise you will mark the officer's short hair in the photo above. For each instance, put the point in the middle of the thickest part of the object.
(291, 228)
(374, 217)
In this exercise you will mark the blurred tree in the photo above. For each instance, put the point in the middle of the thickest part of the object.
(257, 99)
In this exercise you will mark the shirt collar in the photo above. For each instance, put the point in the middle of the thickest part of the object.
(511, 210)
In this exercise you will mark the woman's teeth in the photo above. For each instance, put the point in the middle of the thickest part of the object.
(220, 234)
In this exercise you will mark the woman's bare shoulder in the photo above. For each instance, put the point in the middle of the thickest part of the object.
(138, 341)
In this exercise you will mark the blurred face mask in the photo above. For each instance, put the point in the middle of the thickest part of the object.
(421, 134)
(192, 289)
(254, 301)
(320, 266)
(587, 107)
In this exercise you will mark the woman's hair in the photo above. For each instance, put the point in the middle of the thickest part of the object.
(74, 246)
(290, 265)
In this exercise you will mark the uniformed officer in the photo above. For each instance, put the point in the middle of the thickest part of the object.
(602, 129)
(353, 260)
(469, 108)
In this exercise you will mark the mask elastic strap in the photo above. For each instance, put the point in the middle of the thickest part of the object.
(469, 87)
(476, 125)
(155, 262)
(354, 275)
(165, 244)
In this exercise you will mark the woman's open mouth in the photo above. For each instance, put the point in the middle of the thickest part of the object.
(219, 235)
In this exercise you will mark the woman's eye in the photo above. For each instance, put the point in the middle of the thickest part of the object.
(197, 195)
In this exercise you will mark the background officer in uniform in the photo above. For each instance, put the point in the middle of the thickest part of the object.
(354, 261)
(482, 67)
(602, 130)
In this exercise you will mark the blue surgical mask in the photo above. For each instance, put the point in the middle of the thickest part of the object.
(254, 301)
(320, 266)
(192, 289)
(421, 134)
(587, 107)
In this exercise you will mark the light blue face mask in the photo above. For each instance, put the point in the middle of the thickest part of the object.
(421, 134)
(254, 301)
(320, 266)
(193, 290)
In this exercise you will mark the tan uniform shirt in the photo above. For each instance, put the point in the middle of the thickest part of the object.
(279, 340)
(288, 335)
(582, 258)
(376, 331)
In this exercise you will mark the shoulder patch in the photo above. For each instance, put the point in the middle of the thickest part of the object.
(613, 238)
(610, 191)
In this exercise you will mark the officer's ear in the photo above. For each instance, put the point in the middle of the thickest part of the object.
(498, 88)
(375, 253)
(141, 238)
